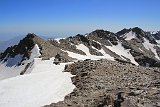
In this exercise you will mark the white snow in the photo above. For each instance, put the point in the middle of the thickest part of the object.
(158, 41)
(150, 46)
(130, 35)
(83, 48)
(119, 49)
(97, 41)
(140, 49)
(154, 32)
(57, 39)
(35, 53)
(103, 52)
(9, 68)
(14, 61)
(44, 82)
(88, 55)
(8, 72)
(44, 85)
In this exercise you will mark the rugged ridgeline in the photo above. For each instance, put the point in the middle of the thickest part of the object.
(128, 45)
(104, 83)
(133, 46)
(30, 47)
(25, 46)
(109, 78)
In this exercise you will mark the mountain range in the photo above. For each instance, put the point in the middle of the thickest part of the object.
(129, 45)
(31, 58)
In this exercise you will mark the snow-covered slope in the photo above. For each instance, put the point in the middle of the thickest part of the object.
(10, 69)
(41, 84)
(45, 84)
(8, 72)
(119, 49)
(151, 47)
(130, 35)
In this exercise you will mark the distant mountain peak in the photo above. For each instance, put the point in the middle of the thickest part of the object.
(138, 30)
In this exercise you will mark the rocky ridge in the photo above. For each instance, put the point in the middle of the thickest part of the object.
(27, 44)
(143, 46)
(104, 83)
(133, 39)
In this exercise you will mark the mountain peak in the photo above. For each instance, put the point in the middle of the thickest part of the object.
(138, 31)
(23, 49)
(122, 32)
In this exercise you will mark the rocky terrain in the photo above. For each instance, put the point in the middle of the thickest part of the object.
(104, 83)
(110, 69)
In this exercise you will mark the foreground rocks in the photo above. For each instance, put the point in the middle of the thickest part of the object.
(106, 83)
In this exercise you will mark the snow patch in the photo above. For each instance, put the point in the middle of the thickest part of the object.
(158, 41)
(57, 39)
(88, 55)
(154, 32)
(83, 48)
(35, 53)
(97, 41)
(140, 49)
(150, 46)
(118, 49)
(130, 35)
(103, 52)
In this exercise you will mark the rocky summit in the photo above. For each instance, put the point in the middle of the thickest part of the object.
(104, 83)
(108, 70)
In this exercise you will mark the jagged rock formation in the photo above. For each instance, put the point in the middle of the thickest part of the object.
(106, 83)
(26, 45)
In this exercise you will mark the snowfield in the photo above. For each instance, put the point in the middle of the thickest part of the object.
(44, 85)
(118, 49)
(9, 68)
(8, 72)
(150, 46)
(130, 35)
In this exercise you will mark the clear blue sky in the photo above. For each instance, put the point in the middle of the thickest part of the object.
(69, 17)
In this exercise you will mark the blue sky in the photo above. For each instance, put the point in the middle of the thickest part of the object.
(69, 17)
